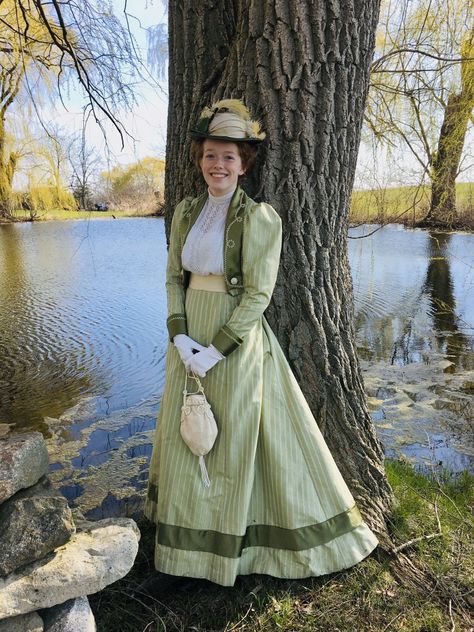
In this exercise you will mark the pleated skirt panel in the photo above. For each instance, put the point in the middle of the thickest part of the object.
(277, 503)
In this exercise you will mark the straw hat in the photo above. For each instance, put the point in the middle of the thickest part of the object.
(228, 120)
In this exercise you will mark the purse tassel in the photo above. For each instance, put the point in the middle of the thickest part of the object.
(205, 476)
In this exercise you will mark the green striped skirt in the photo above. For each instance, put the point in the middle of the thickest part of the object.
(277, 503)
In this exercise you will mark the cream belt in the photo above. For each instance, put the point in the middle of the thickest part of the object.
(208, 283)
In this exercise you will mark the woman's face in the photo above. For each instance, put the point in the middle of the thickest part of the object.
(221, 166)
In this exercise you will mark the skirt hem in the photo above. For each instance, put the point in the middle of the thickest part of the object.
(337, 555)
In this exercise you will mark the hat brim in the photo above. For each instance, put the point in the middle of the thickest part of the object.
(199, 135)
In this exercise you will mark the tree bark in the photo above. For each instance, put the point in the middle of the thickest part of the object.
(200, 35)
(302, 68)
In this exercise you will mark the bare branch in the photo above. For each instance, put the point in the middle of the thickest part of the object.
(376, 65)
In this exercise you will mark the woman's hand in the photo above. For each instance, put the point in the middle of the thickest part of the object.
(185, 345)
(203, 361)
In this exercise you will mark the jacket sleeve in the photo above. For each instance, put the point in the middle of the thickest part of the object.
(175, 293)
(261, 246)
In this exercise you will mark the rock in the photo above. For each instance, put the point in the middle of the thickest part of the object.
(91, 560)
(30, 622)
(385, 393)
(32, 527)
(460, 405)
(73, 616)
(5, 429)
(23, 461)
(468, 386)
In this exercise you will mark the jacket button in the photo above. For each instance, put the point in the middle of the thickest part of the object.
(234, 280)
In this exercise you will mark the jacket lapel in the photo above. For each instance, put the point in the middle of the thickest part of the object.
(233, 241)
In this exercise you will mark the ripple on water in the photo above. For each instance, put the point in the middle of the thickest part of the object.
(85, 313)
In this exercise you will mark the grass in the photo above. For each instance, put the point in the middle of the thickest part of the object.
(60, 214)
(370, 597)
(397, 205)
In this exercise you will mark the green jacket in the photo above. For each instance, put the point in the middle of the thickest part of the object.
(252, 247)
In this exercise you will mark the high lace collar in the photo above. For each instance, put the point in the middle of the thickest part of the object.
(220, 199)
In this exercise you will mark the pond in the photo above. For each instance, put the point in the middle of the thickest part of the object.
(83, 342)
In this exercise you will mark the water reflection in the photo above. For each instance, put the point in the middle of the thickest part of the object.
(38, 377)
(439, 287)
(414, 293)
(82, 312)
(414, 322)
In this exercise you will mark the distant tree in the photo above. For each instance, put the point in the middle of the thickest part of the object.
(157, 57)
(138, 186)
(52, 167)
(448, 154)
(85, 166)
(422, 91)
(15, 60)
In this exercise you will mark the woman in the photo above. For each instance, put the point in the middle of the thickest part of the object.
(277, 503)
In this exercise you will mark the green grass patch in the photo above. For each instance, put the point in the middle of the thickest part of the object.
(60, 214)
(365, 598)
(406, 205)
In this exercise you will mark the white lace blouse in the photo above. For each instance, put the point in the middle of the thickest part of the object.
(203, 251)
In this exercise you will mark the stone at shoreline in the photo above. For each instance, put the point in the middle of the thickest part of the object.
(30, 622)
(31, 526)
(94, 558)
(23, 461)
(73, 616)
(5, 429)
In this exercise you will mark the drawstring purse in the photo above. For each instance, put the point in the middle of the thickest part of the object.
(198, 425)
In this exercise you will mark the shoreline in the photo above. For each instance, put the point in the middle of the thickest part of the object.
(422, 414)
(79, 215)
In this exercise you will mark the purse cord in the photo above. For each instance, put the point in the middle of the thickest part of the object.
(186, 392)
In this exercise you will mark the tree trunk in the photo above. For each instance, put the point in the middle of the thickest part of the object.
(446, 161)
(7, 170)
(303, 68)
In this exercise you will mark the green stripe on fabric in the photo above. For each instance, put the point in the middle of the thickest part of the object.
(227, 545)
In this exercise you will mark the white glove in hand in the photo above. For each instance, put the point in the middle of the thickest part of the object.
(185, 345)
(201, 362)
